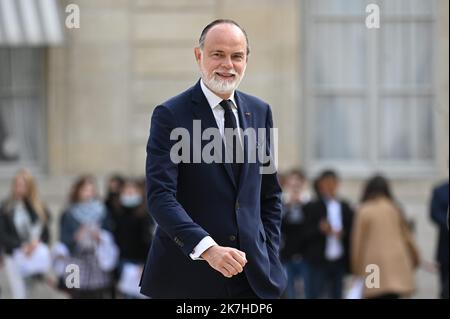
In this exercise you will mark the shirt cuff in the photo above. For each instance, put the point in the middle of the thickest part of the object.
(201, 247)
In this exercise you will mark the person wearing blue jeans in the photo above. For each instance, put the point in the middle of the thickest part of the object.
(292, 232)
(296, 269)
(325, 278)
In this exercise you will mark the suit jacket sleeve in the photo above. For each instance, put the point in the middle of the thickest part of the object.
(311, 231)
(8, 241)
(162, 175)
(358, 243)
(438, 209)
(271, 206)
(68, 228)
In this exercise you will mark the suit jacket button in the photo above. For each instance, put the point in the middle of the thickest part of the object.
(232, 238)
(178, 241)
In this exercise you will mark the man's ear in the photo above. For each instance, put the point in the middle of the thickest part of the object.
(198, 54)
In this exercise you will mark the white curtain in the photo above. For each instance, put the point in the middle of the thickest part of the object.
(346, 115)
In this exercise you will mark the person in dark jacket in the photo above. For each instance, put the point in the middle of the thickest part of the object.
(133, 233)
(114, 188)
(328, 222)
(439, 215)
(133, 225)
(292, 224)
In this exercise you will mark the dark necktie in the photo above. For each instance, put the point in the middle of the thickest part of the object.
(233, 144)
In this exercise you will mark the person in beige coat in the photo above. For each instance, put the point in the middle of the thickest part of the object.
(381, 237)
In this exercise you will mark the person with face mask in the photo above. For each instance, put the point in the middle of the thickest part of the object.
(133, 234)
(114, 187)
(85, 231)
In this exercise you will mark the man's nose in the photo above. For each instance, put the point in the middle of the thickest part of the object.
(227, 63)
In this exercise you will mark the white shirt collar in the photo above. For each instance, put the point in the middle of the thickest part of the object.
(212, 98)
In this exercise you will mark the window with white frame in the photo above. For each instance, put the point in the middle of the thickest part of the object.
(21, 107)
(369, 93)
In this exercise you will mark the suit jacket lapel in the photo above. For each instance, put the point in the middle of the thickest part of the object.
(203, 112)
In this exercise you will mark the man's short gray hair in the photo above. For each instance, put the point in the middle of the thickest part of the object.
(201, 41)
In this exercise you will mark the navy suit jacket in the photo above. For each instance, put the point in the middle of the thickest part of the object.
(192, 200)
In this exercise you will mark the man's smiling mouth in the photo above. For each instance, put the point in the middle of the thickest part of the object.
(225, 75)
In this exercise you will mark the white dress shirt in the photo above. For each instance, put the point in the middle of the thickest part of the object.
(219, 115)
(218, 111)
(334, 248)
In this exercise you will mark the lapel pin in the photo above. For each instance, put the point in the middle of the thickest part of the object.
(248, 113)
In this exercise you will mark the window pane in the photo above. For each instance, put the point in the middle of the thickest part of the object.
(422, 54)
(340, 55)
(5, 74)
(395, 138)
(21, 118)
(407, 129)
(20, 129)
(394, 50)
(27, 67)
(407, 7)
(406, 54)
(9, 144)
(28, 128)
(424, 134)
(340, 7)
(340, 129)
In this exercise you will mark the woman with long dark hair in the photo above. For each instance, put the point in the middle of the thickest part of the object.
(84, 229)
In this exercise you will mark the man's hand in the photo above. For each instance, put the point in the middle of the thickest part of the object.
(325, 227)
(338, 234)
(226, 260)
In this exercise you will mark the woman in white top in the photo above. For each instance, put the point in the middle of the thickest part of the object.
(24, 234)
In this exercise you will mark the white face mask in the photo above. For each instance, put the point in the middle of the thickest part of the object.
(130, 200)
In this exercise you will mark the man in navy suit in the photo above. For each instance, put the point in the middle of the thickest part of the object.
(218, 222)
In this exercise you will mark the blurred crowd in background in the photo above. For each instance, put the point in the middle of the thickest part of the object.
(325, 239)
(330, 248)
(106, 239)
